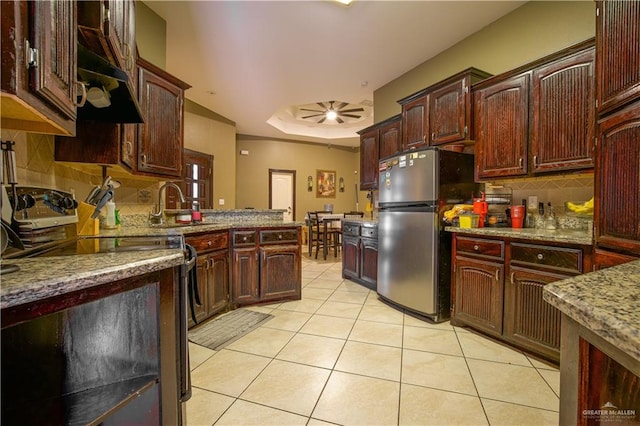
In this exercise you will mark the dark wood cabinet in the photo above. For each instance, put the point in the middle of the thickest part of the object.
(502, 128)
(497, 288)
(617, 210)
(603, 259)
(212, 272)
(415, 121)
(378, 141)
(360, 253)
(39, 63)
(618, 53)
(160, 138)
(107, 27)
(266, 265)
(537, 118)
(563, 129)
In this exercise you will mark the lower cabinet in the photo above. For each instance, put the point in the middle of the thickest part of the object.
(266, 265)
(212, 273)
(360, 253)
(498, 289)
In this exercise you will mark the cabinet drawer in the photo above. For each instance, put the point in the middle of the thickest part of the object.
(350, 229)
(208, 242)
(244, 238)
(480, 247)
(369, 232)
(560, 258)
(278, 236)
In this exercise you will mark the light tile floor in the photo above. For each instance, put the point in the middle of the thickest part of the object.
(342, 356)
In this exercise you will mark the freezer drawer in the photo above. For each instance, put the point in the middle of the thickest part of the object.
(408, 259)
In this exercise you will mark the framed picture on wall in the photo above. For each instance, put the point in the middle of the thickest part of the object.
(325, 183)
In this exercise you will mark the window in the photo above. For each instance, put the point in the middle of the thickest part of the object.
(197, 181)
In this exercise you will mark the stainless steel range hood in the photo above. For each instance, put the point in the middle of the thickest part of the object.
(94, 71)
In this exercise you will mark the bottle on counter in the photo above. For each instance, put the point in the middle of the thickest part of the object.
(539, 220)
(196, 215)
(110, 218)
(550, 219)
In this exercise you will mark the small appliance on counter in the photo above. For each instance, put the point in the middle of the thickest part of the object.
(499, 200)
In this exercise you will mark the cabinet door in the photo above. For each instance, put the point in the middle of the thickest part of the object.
(369, 262)
(121, 32)
(617, 53)
(479, 294)
(280, 274)
(528, 320)
(350, 257)
(390, 139)
(617, 213)
(502, 117)
(369, 155)
(160, 137)
(564, 114)
(449, 113)
(415, 119)
(245, 276)
(218, 282)
(603, 259)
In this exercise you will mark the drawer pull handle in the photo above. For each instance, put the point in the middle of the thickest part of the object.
(540, 256)
(476, 247)
(279, 236)
(209, 243)
(512, 275)
(497, 274)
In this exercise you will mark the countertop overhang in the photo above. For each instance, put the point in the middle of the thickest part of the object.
(560, 235)
(606, 302)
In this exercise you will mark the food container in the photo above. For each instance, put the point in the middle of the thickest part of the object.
(469, 220)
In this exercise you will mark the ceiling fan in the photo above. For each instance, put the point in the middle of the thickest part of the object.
(332, 112)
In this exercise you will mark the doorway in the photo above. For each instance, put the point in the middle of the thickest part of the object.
(282, 192)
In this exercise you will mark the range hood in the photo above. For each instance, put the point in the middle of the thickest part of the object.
(96, 73)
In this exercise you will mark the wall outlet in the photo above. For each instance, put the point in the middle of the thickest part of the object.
(532, 203)
(221, 201)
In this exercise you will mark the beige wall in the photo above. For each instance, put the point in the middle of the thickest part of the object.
(534, 30)
(252, 187)
(151, 35)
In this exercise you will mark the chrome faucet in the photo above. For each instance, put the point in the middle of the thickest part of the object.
(156, 216)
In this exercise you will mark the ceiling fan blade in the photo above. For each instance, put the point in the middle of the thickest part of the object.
(351, 110)
(312, 110)
(314, 115)
(342, 105)
(339, 120)
(351, 115)
(322, 105)
(322, 120)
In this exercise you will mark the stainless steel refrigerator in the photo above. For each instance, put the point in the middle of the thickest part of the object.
(414, 252)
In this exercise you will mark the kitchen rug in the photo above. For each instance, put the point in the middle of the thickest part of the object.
(221, 331)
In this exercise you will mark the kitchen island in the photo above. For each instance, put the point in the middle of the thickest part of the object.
(600, 345)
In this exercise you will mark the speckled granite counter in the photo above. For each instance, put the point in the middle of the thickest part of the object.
(361, 221)
(606, 302)
(561, 235)
(43, 277)
(143, 230)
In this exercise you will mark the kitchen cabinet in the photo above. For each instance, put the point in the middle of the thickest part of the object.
(617, 181)
(266, 265)
(617, 54)
(478, 276)
(360, 253)
(441, 113)
(106, 355)
(212, 273)
(107, 27)
(537, 118)
(151, 149)
(160, 138)
(378, 141)
(39, 63)
(497, 288)
(603, 259)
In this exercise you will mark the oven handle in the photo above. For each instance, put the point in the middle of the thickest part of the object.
(189, 278)
(192, 281)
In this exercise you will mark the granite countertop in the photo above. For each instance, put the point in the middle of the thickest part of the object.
(39, 278)
(568, 236)
(185, 229)
(607, 302)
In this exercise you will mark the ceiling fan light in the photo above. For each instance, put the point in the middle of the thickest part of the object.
(332, 115)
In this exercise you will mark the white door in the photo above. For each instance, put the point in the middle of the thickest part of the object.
(282, 192)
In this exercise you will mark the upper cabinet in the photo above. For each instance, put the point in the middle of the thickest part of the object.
(441, 113)
(618, 47)
(378, 141)
(39, 66)
(539, 118)
(107, 27)
(160, 138)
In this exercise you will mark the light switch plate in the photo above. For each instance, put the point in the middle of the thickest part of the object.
(221, 201)
(532, 203)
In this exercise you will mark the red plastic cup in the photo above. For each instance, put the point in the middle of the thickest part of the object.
(517, 216)
(516, 222)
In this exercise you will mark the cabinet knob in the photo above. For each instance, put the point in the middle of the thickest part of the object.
(244, 238)
(540, 256)
(209, 243)
(279, 236)
(476, 247)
